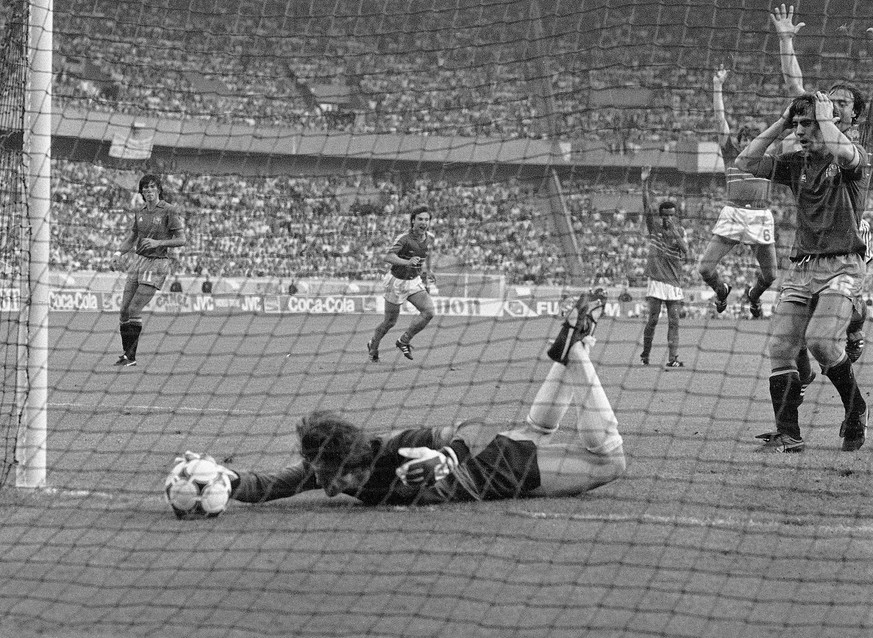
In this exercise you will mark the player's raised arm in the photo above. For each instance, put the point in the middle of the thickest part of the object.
(721, 123)
(783, 20)
(648, 211)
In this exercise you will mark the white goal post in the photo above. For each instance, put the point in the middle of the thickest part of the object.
(32, 391)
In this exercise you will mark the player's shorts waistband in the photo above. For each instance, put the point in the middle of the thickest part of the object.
(758, 205)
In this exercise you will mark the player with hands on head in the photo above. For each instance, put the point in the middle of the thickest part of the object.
(828, 176)
(410, 278)
(849, 104)
(745, 217)
(668, 251)
(471, 460)
(145, 254)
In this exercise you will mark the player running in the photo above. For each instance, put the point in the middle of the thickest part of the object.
(409, 280)
(157, 227)
(469, 461)
(745, 218)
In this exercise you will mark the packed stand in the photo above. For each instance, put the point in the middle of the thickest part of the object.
(340, 227)
(303, 227)
(438, 72)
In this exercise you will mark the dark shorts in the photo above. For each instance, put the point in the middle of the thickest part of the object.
(148, 271)
(504, 469)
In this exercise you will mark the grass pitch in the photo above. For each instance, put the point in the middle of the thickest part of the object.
(703, 537)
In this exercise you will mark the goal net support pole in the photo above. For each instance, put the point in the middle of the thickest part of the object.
(32, 436)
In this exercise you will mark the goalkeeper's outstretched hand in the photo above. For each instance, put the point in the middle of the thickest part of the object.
(426, 466)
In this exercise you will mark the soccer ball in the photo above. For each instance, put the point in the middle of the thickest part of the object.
(197, 488)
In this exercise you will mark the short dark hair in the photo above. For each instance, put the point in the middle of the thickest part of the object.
(801, 104)
(747, 131)
(333, 443)
(667, 206)
(860, 103)
(416, 211)
(151, 179)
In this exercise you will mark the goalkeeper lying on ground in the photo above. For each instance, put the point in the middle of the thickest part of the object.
(464, 462)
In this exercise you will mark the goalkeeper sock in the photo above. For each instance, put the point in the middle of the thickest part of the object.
(552, 401)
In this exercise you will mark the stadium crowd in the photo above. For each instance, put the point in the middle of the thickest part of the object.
(257, 63)
(408, 73)
(295, 227)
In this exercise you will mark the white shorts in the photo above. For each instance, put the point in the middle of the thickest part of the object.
(664, 292)
(745, 225)
(398, 291)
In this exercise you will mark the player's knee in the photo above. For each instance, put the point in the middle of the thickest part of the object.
(783, 353)
(427, 314)
(826, 351)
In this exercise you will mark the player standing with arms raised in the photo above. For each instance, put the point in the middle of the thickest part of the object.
(745, 217)
(667, 252)
(409, 280)
(157, 227)
(828, 176)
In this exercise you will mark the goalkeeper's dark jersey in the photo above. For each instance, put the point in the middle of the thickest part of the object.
(504, 469)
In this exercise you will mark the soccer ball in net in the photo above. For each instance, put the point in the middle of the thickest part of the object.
(197, 488)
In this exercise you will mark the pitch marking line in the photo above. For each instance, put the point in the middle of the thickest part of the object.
(690, 521)
(156, 408)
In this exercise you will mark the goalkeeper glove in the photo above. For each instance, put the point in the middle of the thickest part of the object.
(426, 466)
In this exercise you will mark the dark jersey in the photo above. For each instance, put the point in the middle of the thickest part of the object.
(504, 469)
(743, 189)
(406, 246)
(830, 200)
(161, 223)
(667, 252)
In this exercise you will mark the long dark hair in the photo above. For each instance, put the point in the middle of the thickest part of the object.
(333, 443)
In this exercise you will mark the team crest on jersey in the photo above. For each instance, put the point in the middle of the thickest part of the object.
(833, 171)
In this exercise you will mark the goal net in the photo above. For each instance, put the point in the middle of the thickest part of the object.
(294, 138)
